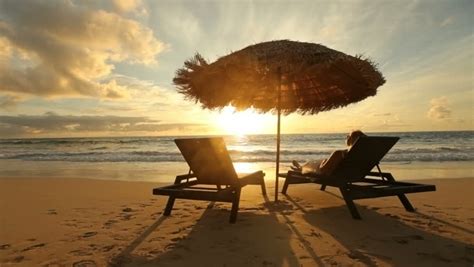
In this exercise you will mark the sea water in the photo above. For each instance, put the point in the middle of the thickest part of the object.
(158, 158)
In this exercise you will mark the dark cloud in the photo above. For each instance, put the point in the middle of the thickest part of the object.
(51, 123)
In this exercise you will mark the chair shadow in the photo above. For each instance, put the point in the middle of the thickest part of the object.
(125, 254)
(255, 240)
(381, 238)
(430, 217)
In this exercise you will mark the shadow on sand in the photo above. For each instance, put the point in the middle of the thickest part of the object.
(383, 238)
(267, 235)
(255, 240)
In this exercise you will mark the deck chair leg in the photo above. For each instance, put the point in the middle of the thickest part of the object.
(169, 206)
(406, 203)
(235, 206)
(285, 186)
(350, 204)
(323, 187)
(262, 184)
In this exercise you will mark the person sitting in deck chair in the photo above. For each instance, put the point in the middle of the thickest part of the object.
(326, 166)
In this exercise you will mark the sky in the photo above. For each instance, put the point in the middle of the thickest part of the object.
(73, 68)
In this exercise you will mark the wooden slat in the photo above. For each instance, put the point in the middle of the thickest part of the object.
(223, 195)
(181, 185)
(361, 192)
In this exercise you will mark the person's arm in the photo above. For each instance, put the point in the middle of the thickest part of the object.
(328, 166)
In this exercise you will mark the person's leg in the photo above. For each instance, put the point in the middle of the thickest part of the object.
(312, 166)
(296, 166)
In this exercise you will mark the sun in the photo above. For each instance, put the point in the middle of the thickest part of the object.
(243, 122)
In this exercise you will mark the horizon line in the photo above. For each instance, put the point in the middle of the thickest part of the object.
(227, 135)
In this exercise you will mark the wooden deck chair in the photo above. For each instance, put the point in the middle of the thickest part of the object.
(355, 177)
(212, 176)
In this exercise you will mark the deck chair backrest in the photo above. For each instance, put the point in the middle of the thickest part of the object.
(363, 156)
(209, 160)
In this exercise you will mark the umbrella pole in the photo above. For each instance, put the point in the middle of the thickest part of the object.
(278, 135)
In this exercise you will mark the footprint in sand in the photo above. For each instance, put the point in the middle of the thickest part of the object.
(434, 256)
(176, 239)
(392, 216)
(268, 263)
(249, 209)
(33, 247)
(315, 234)
(405, 239)
(88, 234)
(107, 248)
(52, 212)
(4, 246)
(126, 217)
(170, 246)
(109, 223)
(16, 259)
(156, 239)
(177, 231)
(127, 210)
(84, 263)
(80, 252)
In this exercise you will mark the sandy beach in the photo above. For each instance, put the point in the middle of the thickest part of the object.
(83, 222)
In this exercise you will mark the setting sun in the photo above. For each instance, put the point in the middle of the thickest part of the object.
(243, 122)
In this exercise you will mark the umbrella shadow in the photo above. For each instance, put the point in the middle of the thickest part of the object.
(383, 238)
(257, 239)
(283, 209)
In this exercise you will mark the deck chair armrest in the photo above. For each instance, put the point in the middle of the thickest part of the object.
(251, 178)
(182, 177)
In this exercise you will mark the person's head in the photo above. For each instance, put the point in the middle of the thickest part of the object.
(352, 137)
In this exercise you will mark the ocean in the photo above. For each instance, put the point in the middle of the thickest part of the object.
(413, 148)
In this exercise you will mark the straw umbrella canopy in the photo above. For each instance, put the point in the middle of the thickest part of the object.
(279, 76)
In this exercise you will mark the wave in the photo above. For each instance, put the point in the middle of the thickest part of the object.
(238, 156)
(79, 141)
(428, 146)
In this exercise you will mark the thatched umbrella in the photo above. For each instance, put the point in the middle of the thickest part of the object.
(279, 76)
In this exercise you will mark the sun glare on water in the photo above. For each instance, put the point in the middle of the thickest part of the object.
(242, 122)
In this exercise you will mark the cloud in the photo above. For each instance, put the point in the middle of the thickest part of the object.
(148, 96)
(382, 114)
(447, 21)
(439, 109)
(124, 6)
(69, 49)
(52, 123)
(9, 102)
